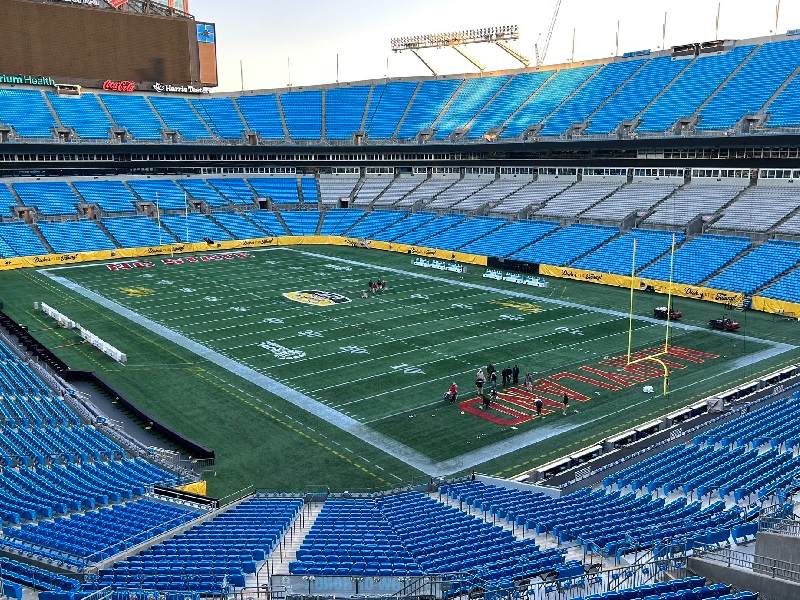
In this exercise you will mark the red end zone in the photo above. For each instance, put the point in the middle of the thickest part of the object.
(515, 406)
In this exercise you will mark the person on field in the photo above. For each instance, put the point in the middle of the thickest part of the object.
(452, 393)
(566, 404)
(538, 404)
(529, 382)
(515, 374)
(480, 379)
(490, 370)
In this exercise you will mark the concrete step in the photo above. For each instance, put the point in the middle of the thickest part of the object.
(286, 552)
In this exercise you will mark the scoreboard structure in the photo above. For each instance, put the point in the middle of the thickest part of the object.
(89, 43)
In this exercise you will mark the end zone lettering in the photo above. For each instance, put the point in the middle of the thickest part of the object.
(205, 258)
(139, 264)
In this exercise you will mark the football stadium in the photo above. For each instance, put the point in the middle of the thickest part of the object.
(526, 333)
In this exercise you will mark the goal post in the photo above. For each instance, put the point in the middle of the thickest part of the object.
(656, 357)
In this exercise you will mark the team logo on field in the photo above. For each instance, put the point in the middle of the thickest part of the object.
(316, 298)
(136, 292)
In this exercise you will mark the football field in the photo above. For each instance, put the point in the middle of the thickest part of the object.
(295, 322)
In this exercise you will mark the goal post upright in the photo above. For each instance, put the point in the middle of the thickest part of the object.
(657, 356)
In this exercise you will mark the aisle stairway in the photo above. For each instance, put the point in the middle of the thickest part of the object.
(286, 551)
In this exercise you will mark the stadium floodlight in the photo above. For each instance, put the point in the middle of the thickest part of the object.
(499, 36)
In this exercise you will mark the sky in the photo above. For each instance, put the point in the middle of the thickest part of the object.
(296, 42)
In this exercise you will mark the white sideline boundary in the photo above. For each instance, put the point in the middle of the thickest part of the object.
(397, 449)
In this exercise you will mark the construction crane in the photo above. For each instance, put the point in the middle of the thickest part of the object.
(540, 58)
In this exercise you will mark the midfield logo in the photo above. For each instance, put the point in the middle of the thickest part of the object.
(136, 292)
(316, 298)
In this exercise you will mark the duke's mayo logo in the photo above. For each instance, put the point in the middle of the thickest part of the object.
(316, 298)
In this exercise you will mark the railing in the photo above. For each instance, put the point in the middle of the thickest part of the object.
(771, 567)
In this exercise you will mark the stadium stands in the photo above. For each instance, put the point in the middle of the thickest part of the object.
(163, 193)
(636, 197)
(303, 112)
(194, 228)
(428, 189)
(372, 186)
(617, 255)
(344, 109)
(221, 117)
(426, 230)
(374, 222)
(471, 98)
(576, 109)
(387, 106)
(757, 268)
(335, 187)
(82, 113)
(74, 236)
(403, 226)
(460, 190)
(546, 99)
(281, 190)
(268, 221)
(759, 208)
(505, 103)
(635, 94)
(693, 200)
(749, 88)
(238, 225)
(197, 189)
(223, 549)
(179, 116)
(510, 239)
(430, 99)
(301, 222)
(236, 191)
(698, 259)
(27, 113)
(337, 221)
(48, 197)
(111, 196)
(576, 199)
(137, 232)
(21, 239)
(464, 233)
(262, 115)
(400, 186)
(565, 245)
(692, 88)
(135, 114)
(535, 194)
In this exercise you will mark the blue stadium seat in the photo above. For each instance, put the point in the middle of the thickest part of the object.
(49, 197)
(110, 195)
(281, 190)
(546, 99)
(262, 115)
(27, 112)
(82, 113)
(137, 232)
(179, 116)
(301, 222)
(303, 113)
(194, 228)
(431, 97)
(132, 112)
(75, 236)
(221, 116)
(698, 259)
(469, 101)
(759, 267)
(691, 89)
(344, 109)
(508, 100)
(387, 106)
(565, 245)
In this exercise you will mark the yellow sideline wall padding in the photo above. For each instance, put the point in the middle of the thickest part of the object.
(777, 307)
(199, 487)
(662, 287)
(53, 260)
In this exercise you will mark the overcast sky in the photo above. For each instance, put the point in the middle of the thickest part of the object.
(265, 33)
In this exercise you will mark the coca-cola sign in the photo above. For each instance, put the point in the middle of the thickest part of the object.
(119, 86)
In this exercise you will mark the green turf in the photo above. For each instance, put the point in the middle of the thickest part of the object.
(384, 361)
